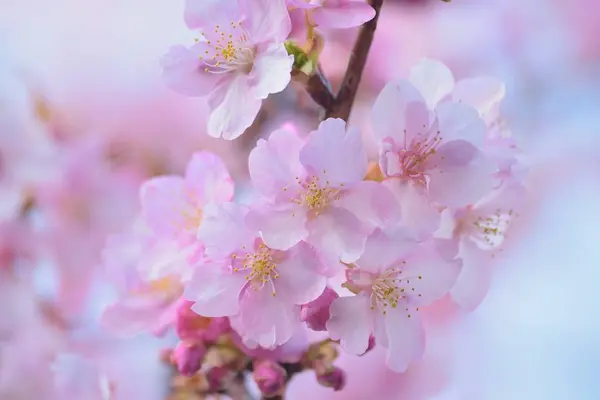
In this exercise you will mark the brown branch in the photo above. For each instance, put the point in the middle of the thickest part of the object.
(358, 59)
(317, 86)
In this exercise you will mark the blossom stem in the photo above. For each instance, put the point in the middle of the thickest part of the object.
(319, 89)
(342, 106)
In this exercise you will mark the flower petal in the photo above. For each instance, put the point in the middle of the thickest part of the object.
(183, 72)
(389, 113)
(483, 94)
(406, 339)
(164, 203)
(234, 107)
(343, 15)
(351, 322)
(215, 289)
(271, 72)
(460, 122)
(334, 154)
(300, 280)
(433, 79)
(269, 20)
(383, 250)
(474, 280)
(202, 13)
(223, 230)
(461, 174)
(281, 227)
(208, 180)
(275, 163)
(373, 203)
(338, 234)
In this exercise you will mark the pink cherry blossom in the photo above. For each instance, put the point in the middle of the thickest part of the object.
(313, 190)
(392, 279)
(335, 14)
(260, 288)
(172, 205)
(474, 234)
(79, 378)
(149, 274)
(432, 146)
(238, 60)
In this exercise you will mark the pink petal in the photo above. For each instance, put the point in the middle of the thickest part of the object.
(334, 155)
(383, 250)
(460, 122)
(461, 175)
(299, 279)
(438, 275)
(483, 94)
(271, 72)
(338, 234)
(184, 74)
(207, 13)
(234, 107)
(281, 226)
(275, 163)
(389, 113)
(351, 322)
(265, 319)
(433, 79)
(269, 20)
(164, 204)
(134, 314)
(345, 15)
(373, 203)
(223, 230)
(208, 179)
(474, 280)
(406, 340)
(418, 213)
(304, 4)
(215, 289)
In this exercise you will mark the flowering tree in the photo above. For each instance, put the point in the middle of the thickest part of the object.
(249, 285)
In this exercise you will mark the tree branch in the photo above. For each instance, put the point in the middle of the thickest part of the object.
(318, 87)
(358, 59)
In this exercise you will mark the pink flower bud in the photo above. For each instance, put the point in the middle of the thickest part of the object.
(188, 357)
(270, 377)
(191, 326)
(331, 376)
(316, 313)
(216, 377)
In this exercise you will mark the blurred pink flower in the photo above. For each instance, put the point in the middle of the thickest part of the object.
(474, 233)
(392, 279)
(250, 63)
(336, 14)
(314, 191)
(172, 205)
(258, 287)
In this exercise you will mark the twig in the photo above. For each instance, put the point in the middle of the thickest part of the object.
(344, 100)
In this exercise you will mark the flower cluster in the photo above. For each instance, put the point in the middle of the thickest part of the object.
(242, 282)
(445, 195)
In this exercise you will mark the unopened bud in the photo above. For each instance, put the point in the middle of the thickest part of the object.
(270, 377)
(216, 378)
(330, 376)
(188, 357)
(316, 313)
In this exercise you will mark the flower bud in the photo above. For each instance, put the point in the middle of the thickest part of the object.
(216, 378)
(330, 376)
(188, 357)
(270, 377)
(316, 313)
(191, 326)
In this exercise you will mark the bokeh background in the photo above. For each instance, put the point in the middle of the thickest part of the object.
(85, 117)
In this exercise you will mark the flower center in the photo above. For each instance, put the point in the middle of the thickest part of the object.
(490, 231)
(390, 289)
(260, 266)
(227, 49)
(314, 196)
